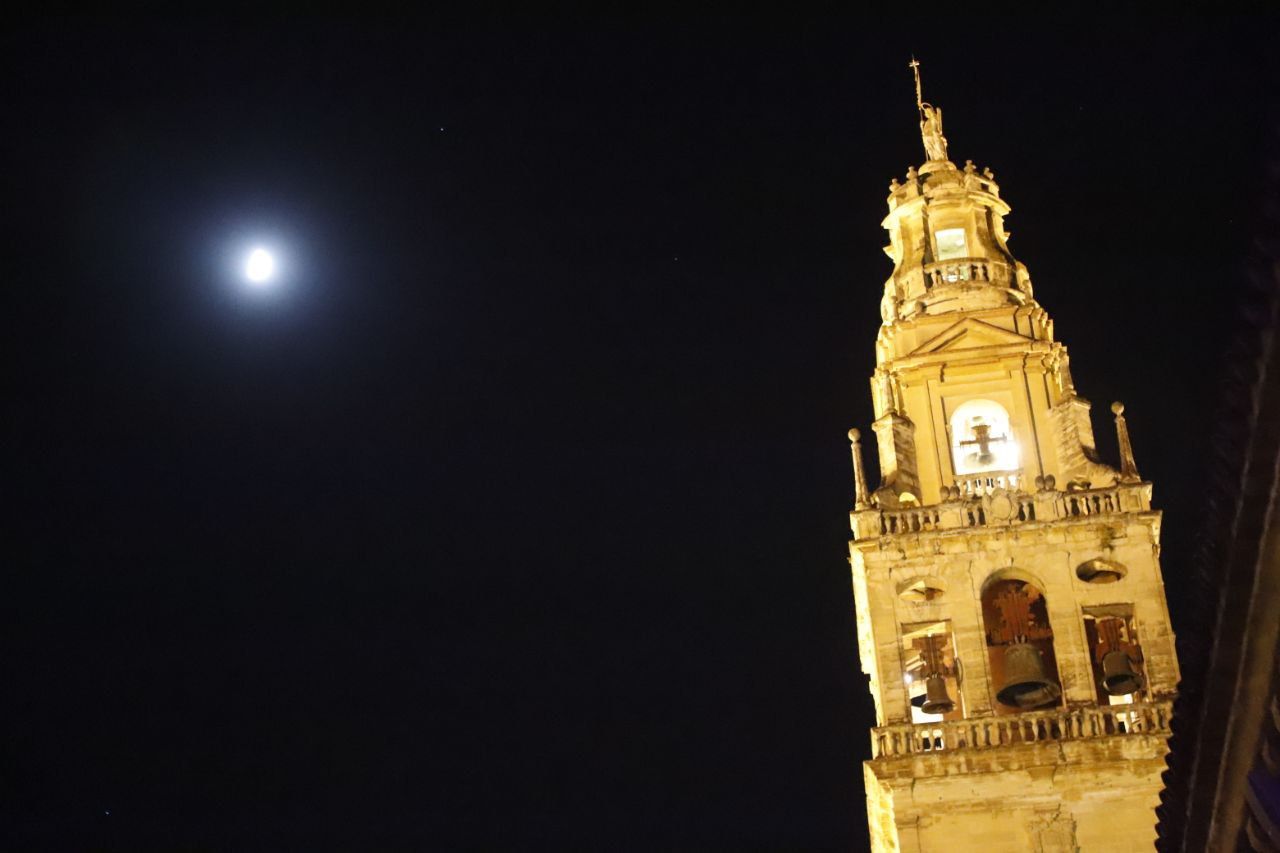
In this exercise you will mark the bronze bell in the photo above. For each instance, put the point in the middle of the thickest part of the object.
(1118, 677)
(936, 700)
(1026, 685)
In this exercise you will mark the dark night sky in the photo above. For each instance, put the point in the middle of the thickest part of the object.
(520, 520)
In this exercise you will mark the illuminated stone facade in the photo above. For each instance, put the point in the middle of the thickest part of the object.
(1011, 612)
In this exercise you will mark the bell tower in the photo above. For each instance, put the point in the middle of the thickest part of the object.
(1010, 608)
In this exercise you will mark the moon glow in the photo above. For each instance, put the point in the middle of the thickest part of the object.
(260, 267)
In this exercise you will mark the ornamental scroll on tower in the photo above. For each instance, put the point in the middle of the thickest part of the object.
(1011, 612)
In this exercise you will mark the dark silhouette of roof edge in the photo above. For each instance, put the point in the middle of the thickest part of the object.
(1243, 450)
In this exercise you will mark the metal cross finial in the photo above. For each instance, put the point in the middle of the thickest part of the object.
(914, 65)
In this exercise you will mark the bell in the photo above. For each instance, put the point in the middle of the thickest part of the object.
(936, 700)
(1118, 677)
(1026, 685)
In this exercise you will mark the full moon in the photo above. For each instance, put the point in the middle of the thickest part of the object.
(260, 266)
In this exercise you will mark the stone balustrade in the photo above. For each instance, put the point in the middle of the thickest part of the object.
(999, 506)
(957, 270)
(974, 485)
(1033, 727)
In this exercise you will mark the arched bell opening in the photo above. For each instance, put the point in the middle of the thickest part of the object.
(982, 442)
(1024, 669)
(931, 672)
(1115, 655)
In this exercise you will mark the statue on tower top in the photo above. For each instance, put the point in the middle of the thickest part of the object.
(935, 144)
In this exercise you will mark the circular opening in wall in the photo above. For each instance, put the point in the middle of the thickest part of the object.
(1100, 571)
(922, 590)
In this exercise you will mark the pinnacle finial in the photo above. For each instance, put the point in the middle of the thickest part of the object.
(860, 499)
(1128, 467)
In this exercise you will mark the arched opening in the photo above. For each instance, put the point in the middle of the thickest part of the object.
(950, 244)
(1115, 654)
(931, 674)
(982, 439)
(1024, 670)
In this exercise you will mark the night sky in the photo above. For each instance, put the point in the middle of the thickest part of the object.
(517, 517)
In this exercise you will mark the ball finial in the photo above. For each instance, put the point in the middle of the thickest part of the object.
(854, 435)
(1117, 408)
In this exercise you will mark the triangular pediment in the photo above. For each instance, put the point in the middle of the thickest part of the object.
(969, 334)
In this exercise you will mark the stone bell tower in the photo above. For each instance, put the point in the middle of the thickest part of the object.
(1011, 612)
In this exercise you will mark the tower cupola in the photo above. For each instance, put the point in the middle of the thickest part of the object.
(946, 235)
(948, 244)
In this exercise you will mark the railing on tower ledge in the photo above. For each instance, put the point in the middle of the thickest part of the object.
(976, 485)
(959, 270)
(1034, 727)
(999, 505)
